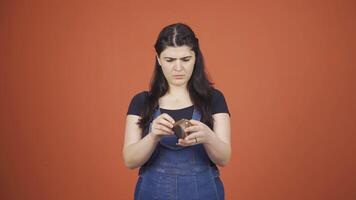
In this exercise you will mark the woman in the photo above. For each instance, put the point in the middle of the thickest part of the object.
(172, 168)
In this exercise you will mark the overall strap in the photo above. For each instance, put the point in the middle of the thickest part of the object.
(196, 114)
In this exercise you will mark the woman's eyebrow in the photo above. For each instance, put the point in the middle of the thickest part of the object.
(181, 58)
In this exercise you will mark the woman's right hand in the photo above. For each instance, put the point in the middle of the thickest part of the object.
(162, 126)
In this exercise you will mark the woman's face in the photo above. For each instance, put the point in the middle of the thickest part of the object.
(177, 64)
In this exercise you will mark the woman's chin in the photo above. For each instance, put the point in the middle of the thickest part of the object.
(178, 83)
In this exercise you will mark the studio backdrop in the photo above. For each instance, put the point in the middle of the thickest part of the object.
(68, 70)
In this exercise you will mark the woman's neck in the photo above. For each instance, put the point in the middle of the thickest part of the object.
(177, 92)
(176, 97)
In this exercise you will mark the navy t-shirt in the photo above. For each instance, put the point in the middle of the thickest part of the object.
(218, 106)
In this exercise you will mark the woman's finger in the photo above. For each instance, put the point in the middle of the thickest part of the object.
(195, 122)
(198, 134)
(193, 128)
(168, 118)
(165, 123)
(162, 128)
(184, 142)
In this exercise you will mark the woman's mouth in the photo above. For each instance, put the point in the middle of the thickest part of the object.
(178, 76)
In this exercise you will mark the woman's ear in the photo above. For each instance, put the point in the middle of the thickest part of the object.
(159, 62)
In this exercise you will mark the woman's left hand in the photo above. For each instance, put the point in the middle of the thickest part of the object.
(199, 133)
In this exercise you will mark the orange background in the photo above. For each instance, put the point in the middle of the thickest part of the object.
(70, 68)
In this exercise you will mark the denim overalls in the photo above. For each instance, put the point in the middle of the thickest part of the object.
(178, 173)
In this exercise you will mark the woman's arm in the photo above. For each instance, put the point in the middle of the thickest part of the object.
(137, 151)
(216, 142)
(218, 145)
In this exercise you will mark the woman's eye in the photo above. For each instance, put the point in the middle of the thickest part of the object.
(184, 60)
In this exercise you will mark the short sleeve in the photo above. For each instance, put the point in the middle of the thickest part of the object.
(137, 104)
(219, 103)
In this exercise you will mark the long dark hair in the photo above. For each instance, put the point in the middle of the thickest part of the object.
(199, 86)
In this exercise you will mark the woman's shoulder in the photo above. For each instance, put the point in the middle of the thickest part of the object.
(137, 103)
(217, 95)
(216, 92)
(142, 95)
(219, 104)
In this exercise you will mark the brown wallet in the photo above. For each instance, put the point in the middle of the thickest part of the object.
(179, 127)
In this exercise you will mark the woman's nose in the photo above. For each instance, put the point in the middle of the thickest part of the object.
(178, 65)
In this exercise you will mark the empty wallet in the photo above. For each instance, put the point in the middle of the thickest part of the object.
(179, 127)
